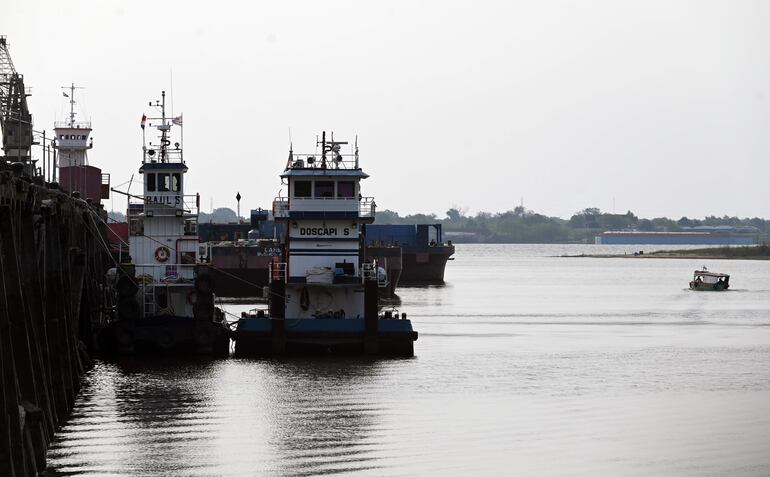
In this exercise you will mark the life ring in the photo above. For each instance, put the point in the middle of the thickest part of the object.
(162, 254)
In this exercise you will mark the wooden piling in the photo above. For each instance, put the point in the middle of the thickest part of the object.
(52, 262)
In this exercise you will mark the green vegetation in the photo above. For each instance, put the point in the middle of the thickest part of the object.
(521, 225)
(222, 215)
(754, 252)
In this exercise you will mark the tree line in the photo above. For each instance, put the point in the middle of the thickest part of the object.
(522, 225)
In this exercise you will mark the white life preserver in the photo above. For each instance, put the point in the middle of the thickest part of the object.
(162, 253)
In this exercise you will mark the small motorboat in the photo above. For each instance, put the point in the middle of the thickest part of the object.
(703, 280)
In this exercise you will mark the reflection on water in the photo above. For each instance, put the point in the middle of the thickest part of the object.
(526, 364)
(293, 417)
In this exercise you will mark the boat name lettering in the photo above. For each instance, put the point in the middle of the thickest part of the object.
(163, 199)
(321, 231)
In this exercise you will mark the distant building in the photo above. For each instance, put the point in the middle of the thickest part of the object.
(699, 237)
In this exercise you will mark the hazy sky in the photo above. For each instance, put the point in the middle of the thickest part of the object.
(663, 106)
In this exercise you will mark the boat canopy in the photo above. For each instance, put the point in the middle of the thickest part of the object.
(710, 277)
(701, 273)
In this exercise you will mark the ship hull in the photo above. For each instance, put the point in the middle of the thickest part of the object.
(708, 286)
(166, 335)
(264, 336)
(239, 282)
(424, 266)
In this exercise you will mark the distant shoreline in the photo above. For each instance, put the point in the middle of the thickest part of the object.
(757, 252)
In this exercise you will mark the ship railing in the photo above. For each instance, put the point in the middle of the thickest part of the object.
(165, 274)
(75, 125)
(158, 155)
(277, 272)
(332, 161)
(164, 205)
(281, 207)
(151, 276)
(369, 271)
(365, 206)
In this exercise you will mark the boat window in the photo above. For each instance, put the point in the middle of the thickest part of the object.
(61, 136)
(346, 189)
(151, 182)
(302, 189)
(176, 181)
(136, 227)
(324, 189)
(164, 181)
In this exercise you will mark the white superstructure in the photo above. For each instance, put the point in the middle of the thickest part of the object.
(163, 221)
(72, 137)
(324, 213)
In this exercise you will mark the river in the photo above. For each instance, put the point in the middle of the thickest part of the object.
(527, 363)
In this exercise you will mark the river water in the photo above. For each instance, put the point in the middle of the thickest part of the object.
(527, 363)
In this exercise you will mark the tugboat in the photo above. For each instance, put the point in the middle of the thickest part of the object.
(703, 280)
(164, 295)
(323, 296)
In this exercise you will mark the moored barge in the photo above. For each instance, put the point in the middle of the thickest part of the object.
(424, 253)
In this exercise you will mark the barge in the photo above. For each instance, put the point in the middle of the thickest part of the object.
(323, 298)
(424, 253)
(240, 255)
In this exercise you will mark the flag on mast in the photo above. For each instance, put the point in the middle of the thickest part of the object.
(144, 120)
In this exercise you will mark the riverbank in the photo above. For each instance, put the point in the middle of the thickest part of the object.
(757, 252)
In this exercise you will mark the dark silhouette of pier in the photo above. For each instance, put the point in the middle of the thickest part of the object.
(53, 257)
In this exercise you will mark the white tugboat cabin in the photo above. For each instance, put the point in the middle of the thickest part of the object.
(163, 222)
(325, 212)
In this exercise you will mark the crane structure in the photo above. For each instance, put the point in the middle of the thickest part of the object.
(15, 118)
